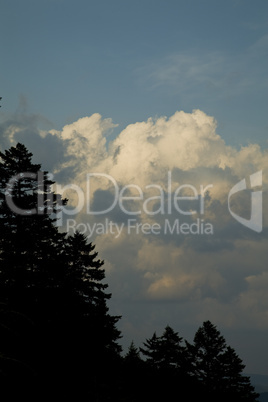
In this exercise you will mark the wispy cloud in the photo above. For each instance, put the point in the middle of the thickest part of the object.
(222, 74)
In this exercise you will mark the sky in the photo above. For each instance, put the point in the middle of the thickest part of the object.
(156, 101)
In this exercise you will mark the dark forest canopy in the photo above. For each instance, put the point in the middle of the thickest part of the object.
(57, 338)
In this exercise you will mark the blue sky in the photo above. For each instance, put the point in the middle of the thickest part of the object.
(133, 60)
(137, 90)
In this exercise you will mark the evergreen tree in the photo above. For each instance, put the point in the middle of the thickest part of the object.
(133, 374)
(30, 244)
(167, 367)
(172, 352)
(208, 346)
(234, 384)
(217, 367)
(165, 352)
(54, 281)
(152, 351)
(133, 354)
(87, 298)
(30, 250)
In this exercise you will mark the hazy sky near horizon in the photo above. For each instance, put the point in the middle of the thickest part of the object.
(144, 91)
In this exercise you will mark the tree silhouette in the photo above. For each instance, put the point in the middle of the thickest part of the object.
(208, 346)
(167, 366)
(234, 383)
(152, 351)
(207, 369)
(217, 367)
(31, 247)
(172, 352)
(165, 352)
(134, 382)
(53, 280)
(133, 354)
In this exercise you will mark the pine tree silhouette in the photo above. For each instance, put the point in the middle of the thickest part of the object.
(217, 367)
(55, 282)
